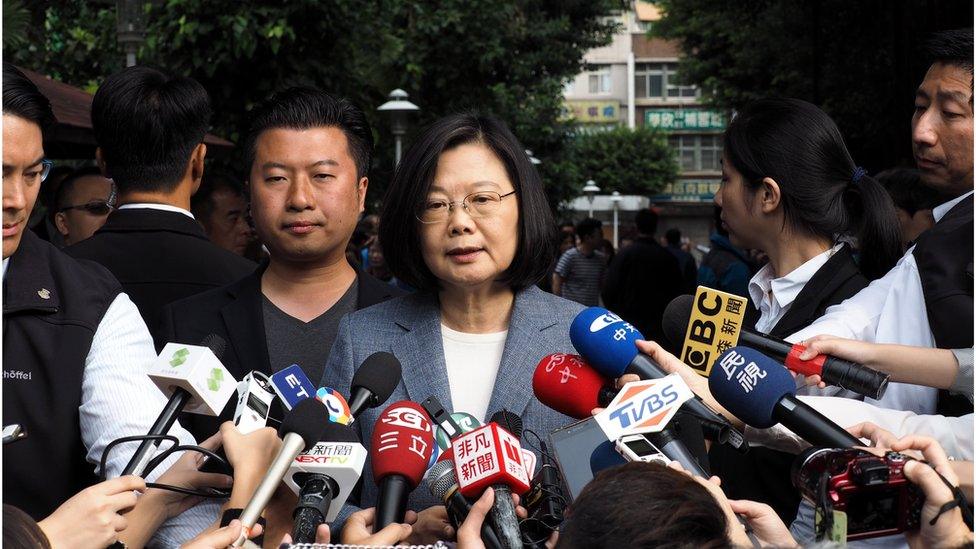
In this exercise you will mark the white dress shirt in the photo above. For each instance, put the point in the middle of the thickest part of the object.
(890, 310)
(774, 296)
(153, 206)
(472, 362)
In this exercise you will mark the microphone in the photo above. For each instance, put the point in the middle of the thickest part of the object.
(323, 477)
(336, 404)
(374, 382)
(545, 501)
(760, 392)
(492, 456)
(301, 427)
(292, 385)
(567, 384)
(195, 381)
(608, 343)
(401, 446)
(442, 483)
(254, 398)
(686, 319)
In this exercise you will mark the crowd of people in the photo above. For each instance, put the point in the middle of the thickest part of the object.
(465, 276)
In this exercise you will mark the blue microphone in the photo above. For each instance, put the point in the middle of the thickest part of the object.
(608, 343)
(292, 386)
(761, 392)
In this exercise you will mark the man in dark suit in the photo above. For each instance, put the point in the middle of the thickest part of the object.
(642, 279)
(308, 155)
(150, 127)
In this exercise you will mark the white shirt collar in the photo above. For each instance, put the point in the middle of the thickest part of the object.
(939, 211)
(784, 289)
(5, 263)
(152, 206)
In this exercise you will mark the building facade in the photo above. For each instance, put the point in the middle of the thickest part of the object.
(634, 82)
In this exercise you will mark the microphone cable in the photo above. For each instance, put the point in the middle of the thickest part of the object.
(154, 462)
(554, 493)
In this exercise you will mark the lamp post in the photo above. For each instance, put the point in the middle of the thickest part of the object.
(399, 109)
(615, 198)
(590, 191)
(131, 28)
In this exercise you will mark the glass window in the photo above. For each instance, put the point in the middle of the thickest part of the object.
(697, 152)
(660, 80)
(599, 79)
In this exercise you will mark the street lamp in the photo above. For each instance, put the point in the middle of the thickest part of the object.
(590, 191)
(615, 198)
(131, 28)
(399, 109)
(535, 161)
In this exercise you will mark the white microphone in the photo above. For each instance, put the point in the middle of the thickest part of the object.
(301, 428)
(254, 398)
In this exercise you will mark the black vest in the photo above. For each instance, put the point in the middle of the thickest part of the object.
(51, 309)
(944, 255)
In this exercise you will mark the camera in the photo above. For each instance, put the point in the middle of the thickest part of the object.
(872, 491)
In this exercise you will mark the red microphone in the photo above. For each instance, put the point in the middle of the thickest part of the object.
(567, 384)
(402, 443)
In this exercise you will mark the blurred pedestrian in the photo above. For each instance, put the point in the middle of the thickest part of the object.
(82, 204)
(686, 262)
(220, 206)
(580, 270)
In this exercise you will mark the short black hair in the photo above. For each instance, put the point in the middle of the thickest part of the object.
(588, 226)
(147, 124)
(646, 221)
(906, 189)
(399, 233)
(201, 204)
(63, 194)
(951, 47)
(673, 237)
(613, 511)
(302, 108)
(21, 98)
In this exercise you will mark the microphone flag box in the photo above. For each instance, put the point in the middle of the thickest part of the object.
(342, 461)
(197, 370)
(644, 406)
(714, 326)
(489, 455)
(292, 386)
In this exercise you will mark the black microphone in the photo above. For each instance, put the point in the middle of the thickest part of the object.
(374, 382)
(761, 393)
(442, 483)
(302, 426)
(318, 489)
(675, 450)
(502, 514)
(833, 371)
(195, 380)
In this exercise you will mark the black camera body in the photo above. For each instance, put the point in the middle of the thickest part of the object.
(872, 491)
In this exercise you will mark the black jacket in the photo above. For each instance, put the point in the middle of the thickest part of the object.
(642, 279)
(52, 305)
(763, 474)
(159, 257)
(235, 313)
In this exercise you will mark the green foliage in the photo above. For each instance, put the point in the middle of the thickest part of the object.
(629, 161)
(859, 61)
(16, 19)
(509, 58)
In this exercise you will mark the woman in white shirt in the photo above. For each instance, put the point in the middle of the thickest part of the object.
(791, 189)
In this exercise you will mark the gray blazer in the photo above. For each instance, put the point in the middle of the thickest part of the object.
(410, 328)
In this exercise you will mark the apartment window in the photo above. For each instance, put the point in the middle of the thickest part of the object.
(599, 79)
(660, 80)
(697, 153)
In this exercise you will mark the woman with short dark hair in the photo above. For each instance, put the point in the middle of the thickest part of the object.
(466, 222)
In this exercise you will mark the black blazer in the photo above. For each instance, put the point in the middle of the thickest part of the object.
(763, 474)
(235, 313)
(159, 257)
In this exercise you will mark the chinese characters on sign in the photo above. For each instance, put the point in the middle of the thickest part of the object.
(684, 119)
(748, 375)
(714, 326)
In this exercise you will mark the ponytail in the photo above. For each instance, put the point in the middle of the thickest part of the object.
(876, 228)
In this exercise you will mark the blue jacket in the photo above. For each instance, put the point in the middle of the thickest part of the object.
(410, 328)
(725, 268)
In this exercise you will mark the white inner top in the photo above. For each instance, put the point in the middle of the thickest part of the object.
(472, 365)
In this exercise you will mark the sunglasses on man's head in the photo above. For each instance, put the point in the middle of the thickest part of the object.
(94, 208)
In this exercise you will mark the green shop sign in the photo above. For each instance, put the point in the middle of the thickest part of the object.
(684, 119)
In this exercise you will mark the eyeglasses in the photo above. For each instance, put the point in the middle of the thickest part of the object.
(96, 207)
(479, 204)
(46, 166)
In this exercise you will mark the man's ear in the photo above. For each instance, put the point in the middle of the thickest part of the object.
(196, 165)
(769, 195)
(361, 188)
(100, 160)
(61, 224)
